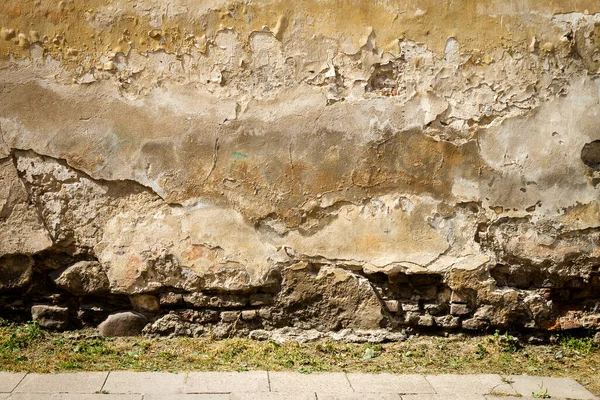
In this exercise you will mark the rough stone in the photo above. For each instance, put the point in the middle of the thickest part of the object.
(145, 303)
(51, 317)
(426, 320)
(123, 324)
(183, 323)
(82, 278)
(170, 299)
(597, 338)
(459, 309)
(340, 298)
(249, 315)
(392, 305)
(473, 324)
(15, 271)
(230, 316)
(447, 321)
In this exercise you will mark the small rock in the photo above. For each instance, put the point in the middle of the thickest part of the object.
(229, 316)
(597, 338)
(459, 309)
(392, 305)
(127, 323)
(51, 317)
(425, 320)
(170, 299)
(145, 303)
(248, 315)
(200, 300)
(447, 321)
(411, 317)
(474, 324)
(410, 307)
(591, 321)
(23, 41)
(485, 313)
(82, 278)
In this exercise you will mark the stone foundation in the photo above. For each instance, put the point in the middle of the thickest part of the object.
(349, 168)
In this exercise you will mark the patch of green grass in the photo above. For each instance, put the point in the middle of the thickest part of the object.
(21, 336)
(583, 345)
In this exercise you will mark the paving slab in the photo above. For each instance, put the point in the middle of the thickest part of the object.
(227, 382)
(77, 382)
(556, 387)
(293, 382)
(187, 397)
(273, 396)
(389, 383)
(518, 398)
(465, 396)
(470, 384)
(144, 382)
(359, 396)
(9, 381)
(74, 396)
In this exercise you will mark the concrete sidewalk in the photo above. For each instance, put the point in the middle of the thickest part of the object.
(259, 385)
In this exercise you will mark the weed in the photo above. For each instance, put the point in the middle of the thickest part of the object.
(542, 394)
(23, 336)
(506, 342)
(92, 347)
(580, 345)
(481, 352)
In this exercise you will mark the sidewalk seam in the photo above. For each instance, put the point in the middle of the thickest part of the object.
(430, 384)
(104, 383)
(17, 385)
(349, 383)
(269, 380)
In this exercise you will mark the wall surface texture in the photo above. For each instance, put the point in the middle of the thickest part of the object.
(348, 168)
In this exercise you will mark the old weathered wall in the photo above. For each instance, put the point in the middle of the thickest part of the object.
(243, 167)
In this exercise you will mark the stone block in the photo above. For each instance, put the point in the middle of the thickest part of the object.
(447, 321)
(459, 309)
(230, 316)
(82, 278)
(127, 323)
(406, 307)
(392, 305)
(51, 317)
(474, 324)
(426, 320)
(248, 315)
